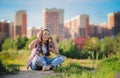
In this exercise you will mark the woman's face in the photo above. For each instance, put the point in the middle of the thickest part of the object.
(45, 35)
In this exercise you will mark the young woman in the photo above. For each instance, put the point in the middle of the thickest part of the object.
(41, 48)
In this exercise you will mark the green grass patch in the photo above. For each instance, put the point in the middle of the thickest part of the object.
(72, 69)
(12, 60)
(107, 68)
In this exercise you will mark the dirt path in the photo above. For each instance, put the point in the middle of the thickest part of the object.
(30, 74)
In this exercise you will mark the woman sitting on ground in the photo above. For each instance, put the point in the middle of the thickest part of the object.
(41, 48)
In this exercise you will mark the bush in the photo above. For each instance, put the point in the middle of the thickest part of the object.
(29, 41)
(109, 46)
(2, 68)
(10, 61)
(67, 48)
(17, 44)
(21, 42)
(93, 48)
(9, 44)
(108, 68)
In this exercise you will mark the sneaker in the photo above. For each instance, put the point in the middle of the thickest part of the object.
(45, 68)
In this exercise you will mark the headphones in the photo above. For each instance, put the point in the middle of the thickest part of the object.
(40, 33)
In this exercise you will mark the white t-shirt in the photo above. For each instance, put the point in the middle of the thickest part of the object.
(44, 49)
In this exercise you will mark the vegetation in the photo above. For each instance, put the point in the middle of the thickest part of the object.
(17, 44)
(20, 42)
(68, 49)
(103, 55)
(107, 68)
(10, 61)
(9, 44)
(29, 41)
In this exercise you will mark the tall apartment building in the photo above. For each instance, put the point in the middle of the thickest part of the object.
(105, 31)
(114, 23)
(10, 29)
(79, 26)
(53, 20)
(20, 24)
(4, 30)
(93, 30)
(67, 26)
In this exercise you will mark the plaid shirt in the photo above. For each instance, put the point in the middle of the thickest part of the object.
(35, 52)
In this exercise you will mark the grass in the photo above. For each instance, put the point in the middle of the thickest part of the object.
(106, 68)
(72, 68)
(12, 60)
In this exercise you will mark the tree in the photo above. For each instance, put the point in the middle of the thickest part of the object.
(67, 48)
(21, 42)
(93, 48)
(29, 41)
(109, 46)
(9, 44)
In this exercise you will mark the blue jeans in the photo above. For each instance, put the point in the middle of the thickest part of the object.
(40, 61)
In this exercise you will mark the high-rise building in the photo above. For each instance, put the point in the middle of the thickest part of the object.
(53, 20)
(110, 20)
(79, 26)
(32, 31)
(94, 30)
(4, 30)
(10, 29)
(20, 24)
(114, 23)
(67, 26)
(104, 28)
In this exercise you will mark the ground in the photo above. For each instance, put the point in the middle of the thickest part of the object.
(30, 74)
(23, 73)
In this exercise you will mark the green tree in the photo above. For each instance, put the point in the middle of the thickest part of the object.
(109, 46)
(117, 39)
(29, 41)
(21, 42)
(93, 48)
(68, 49)
(9, 44)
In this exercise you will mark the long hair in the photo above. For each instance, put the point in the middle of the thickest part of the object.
(47, 43)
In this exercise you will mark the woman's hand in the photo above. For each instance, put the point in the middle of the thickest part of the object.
(33, 44)
(54, 50)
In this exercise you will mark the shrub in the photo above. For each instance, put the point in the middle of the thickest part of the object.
(9, 44)
(29, 41)
(21, 42)
(109, 67)
(68, 49)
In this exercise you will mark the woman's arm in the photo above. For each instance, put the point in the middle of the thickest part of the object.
(54, 49)
(32, 44)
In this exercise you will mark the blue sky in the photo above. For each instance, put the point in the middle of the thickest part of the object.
(96, 9)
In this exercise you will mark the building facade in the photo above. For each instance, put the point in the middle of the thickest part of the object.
(53, 19)
(105, 30)
(114, 23)
(94, 30)
(4, 30)
(79, 26)
(20, 24)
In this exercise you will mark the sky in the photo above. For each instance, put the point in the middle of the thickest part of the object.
(97, 10)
